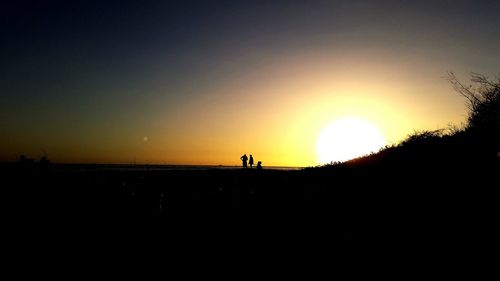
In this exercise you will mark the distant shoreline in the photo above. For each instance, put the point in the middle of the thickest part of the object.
(155, 167)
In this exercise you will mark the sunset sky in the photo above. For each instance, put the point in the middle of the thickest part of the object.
(202, 82)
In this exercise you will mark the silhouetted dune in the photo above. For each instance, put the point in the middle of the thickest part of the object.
(391, 201)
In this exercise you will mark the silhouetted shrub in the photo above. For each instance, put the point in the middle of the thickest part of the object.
(420, 137)
(483, 102)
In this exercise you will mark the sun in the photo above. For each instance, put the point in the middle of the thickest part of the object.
(348, 138)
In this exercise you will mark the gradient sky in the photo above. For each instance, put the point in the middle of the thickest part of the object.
(202, 82)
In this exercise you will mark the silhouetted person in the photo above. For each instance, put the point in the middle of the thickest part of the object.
(259, 165)
(244, 159)
(250, 162)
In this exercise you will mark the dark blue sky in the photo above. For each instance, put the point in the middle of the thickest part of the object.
(57, 42)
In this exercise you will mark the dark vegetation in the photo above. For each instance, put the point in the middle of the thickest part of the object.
(432, 193)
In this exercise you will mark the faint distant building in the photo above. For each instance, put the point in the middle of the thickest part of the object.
(23, 160)
(44, 162)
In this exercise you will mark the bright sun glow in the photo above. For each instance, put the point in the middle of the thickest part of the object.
(348, 138)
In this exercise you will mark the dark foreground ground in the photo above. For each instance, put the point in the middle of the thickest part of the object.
(342, 211)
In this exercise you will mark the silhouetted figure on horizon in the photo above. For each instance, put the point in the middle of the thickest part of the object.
(259, 165)
(250, 162)
(244, 159)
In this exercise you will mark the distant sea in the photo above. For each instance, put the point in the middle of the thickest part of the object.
(158, 167)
